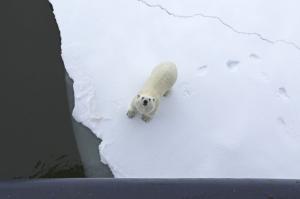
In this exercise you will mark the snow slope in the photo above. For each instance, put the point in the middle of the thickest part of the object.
(234, 110)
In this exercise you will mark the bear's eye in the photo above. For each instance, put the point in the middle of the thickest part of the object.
(150, 99)
(138, 96)
(153, 99)
(142, 97)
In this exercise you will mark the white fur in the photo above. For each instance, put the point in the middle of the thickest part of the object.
(158, 84)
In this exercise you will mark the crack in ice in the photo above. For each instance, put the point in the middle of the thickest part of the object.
(220, 20)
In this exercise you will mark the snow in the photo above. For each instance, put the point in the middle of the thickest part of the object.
(233, 112)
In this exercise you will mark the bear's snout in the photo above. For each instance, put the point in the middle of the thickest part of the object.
(145, 102)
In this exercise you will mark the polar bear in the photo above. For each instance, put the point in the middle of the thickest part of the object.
(157, 85)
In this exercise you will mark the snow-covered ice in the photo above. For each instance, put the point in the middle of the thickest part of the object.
(234, 110)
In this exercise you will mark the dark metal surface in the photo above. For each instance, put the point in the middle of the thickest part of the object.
(36, 135)
(151, 189)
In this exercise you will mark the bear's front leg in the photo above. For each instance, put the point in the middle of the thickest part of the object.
(132, 109)
(131, 112)
(146, 118)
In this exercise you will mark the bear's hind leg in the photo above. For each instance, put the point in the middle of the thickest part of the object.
(167, 93)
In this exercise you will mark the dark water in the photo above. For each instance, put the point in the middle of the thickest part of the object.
(36, 135)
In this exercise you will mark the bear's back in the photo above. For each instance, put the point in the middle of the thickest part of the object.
(161, 79)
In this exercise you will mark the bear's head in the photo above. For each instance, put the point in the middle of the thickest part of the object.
(145, 104)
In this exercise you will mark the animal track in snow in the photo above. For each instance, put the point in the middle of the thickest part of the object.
(202, 70)
(254, 56)
(282, 93)
(187, 92)
(264, 77)
(281, 121)
(185, 89)
(232, 64)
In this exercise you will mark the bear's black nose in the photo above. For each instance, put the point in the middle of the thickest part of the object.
(145, 102)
